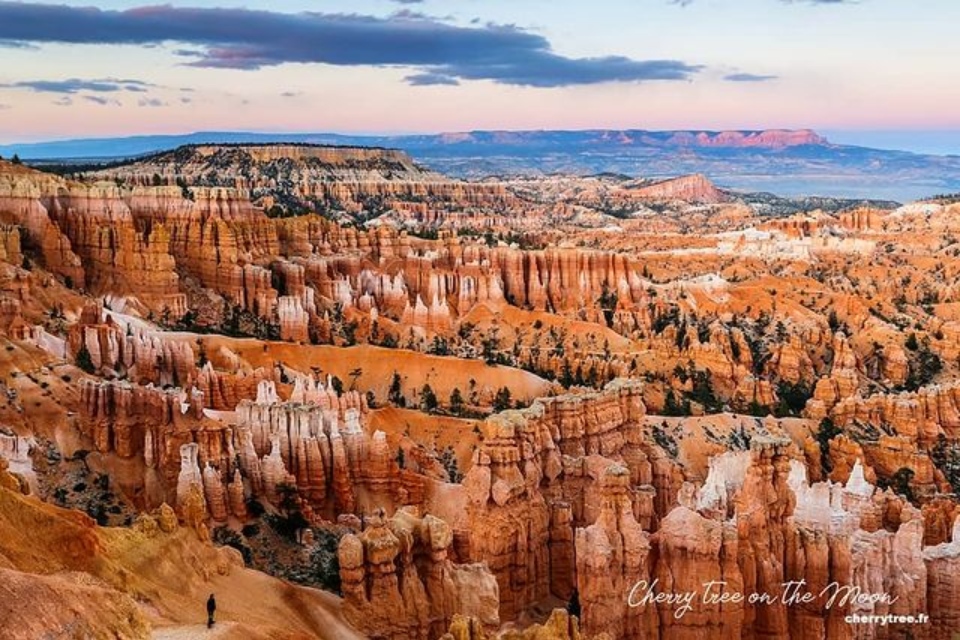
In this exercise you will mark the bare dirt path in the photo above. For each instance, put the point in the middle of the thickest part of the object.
(220, 631)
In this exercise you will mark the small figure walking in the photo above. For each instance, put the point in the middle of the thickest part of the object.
(211, 609)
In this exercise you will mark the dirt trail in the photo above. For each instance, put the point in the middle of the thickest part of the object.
(189, 632)
(239, 631)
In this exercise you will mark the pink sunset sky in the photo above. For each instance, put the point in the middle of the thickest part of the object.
(89, 68)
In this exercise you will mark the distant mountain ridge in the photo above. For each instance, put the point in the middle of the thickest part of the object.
(797, 162)
(762, 139)
(138, 145)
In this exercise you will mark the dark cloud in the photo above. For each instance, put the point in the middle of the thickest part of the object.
(748, 77)
(290, 94)
(76, 85)
(233, 38)
(151, 102)
(428, 79)
(410, 14)
(101, 100)
(407, 1)
(10, 44)
(65, 101)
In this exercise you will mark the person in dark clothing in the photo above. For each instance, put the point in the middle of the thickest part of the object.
(211, 609)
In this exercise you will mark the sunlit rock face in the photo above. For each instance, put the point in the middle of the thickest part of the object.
(484, 399)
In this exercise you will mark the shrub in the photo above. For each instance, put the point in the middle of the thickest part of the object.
(671, 407)
(924, 367)
(449, 461)
(324, 562)
(227, 537)
(254, 508)
(666, 441)
(83, 359)
(793, 398)
(827, 432)
(900, 483)
(912, 343)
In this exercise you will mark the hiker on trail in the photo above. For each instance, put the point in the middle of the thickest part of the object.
(211, 609)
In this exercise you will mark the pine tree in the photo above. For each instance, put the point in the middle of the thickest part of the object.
(502, 401)
(395, 394)
(428, 399)
(456, 402)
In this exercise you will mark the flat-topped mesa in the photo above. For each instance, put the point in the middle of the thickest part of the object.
(244, 161)
(692, 188)
(288, 178)
(766, 139)
(332, 155)
(255, 167)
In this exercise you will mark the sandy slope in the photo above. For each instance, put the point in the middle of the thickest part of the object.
(378, 365)
(62, 576)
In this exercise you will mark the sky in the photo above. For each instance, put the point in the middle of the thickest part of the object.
(867, 71)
